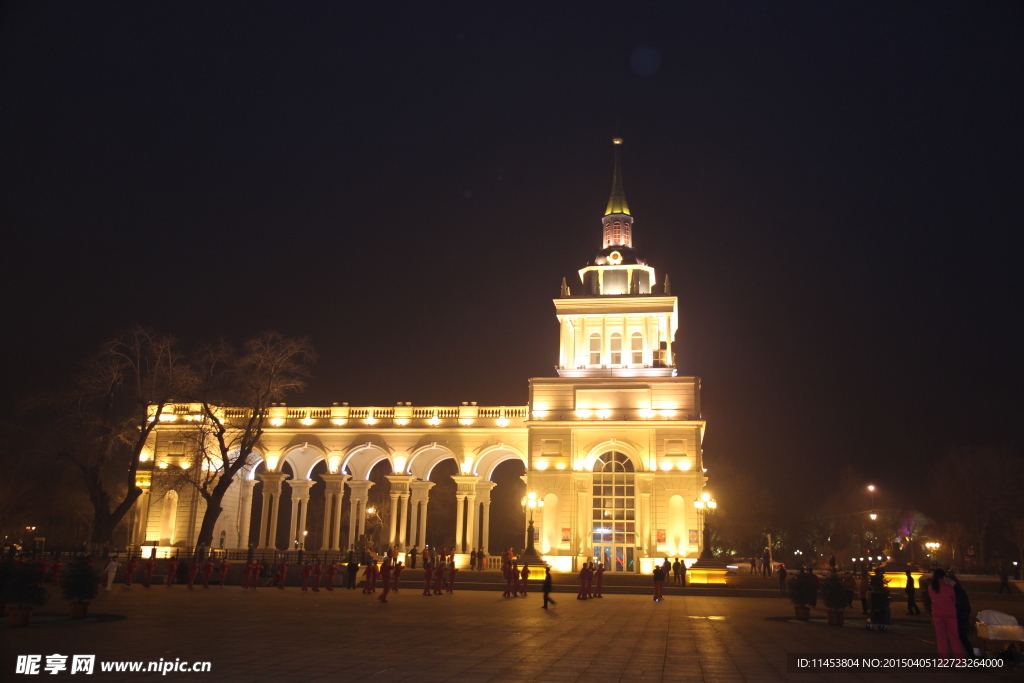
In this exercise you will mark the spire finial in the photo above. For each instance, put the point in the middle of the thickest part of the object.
(617, 200)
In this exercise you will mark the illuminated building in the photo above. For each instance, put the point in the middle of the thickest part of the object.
(612, 445)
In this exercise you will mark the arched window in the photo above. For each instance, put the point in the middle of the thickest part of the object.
(637, 346)
(595, 349)
(616, 351)
(169, 518)
(614, 512)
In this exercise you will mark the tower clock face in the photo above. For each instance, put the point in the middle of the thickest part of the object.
(615, 258)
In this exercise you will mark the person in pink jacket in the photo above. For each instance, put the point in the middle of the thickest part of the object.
(943, 609)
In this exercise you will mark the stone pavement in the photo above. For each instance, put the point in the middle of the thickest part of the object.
(471, 636)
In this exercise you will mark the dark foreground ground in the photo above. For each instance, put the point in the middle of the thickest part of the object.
(472, 636)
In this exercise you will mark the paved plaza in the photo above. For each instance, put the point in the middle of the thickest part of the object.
(470, 636)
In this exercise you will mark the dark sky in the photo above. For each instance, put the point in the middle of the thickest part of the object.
(834, 189)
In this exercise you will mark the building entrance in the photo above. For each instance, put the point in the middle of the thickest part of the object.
(616, 558)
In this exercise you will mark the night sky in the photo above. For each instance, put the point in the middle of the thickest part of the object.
(835, 190)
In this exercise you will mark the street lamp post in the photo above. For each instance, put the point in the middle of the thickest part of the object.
(705, 505)
(531, 503)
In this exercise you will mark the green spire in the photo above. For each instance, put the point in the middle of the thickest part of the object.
(617, 202)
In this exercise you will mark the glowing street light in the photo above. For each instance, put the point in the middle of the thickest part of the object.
(705, 505)
(531, 502)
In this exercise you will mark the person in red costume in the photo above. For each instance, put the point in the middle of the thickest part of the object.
(306, 572)
(224, 567)
(581, 578)
(172, 571)
(318, 573)
(524, 575)
(257, 570)
(247, 575)
(385, 578)
(439, 578)
(193, 571)
(282, 574)
(130, 567)
(398, 572)
(590, 580)
(57, 566)
(452, 571)
(208, 568)
(428, 574)
(370, 578)
(149, 569)
(332, 569)
(598, 580)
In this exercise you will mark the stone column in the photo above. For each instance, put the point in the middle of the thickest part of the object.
(466, 486)
(414, 514)
(300, 504)
(403, 535)
(335, 491)
(245, 512)
(357, 508)
(141, 513)
(271, 504)
(471, 530)
(399, 495)
(483, 494)
(419, 492)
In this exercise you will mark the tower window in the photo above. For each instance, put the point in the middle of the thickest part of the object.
(637, 344)
(616, 348)
(595, 349)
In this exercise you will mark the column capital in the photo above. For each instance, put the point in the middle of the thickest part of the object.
(335, 482)
(420, 489)
(360, 488)
(300, 489)
(400, 482)
(466, 483)
(272, 481)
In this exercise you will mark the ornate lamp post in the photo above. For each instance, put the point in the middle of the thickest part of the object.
(705, 505)
(531, 503)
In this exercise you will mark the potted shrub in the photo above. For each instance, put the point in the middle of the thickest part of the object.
(834, 594)
(801, 592)
(79, 585)
(23, 590)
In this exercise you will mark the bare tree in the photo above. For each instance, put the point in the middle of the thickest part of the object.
(102, 423)
(268, 369)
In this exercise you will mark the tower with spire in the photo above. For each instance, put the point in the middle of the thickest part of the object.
(615, 440)
(614, 323)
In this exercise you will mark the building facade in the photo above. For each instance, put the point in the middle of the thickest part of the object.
(611, 446)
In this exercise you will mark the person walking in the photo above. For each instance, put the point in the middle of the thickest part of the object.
(1004, 580)
(598, 580)
(910, 590)
(111, 570)
(524, 574)
(306, 573)
(863, 588)
(675, 571)
(56, 568)
(193, 572)
(439, 577)
(428, 576)
(410, 557)
(766, 560)
(225, 566)
(944, 617)
(582, 579)
(452, 571)
(130, 568)
(398, 573)
(547, 587)
(782, 581)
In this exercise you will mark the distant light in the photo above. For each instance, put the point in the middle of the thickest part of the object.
(705, 497)
(666, 466)
(604, 414)
(561, 466)
(583, 414)
(684, 465)
(371, 420)
(540, 465)
(401, 421)
(646, 413)
(466, 421)
(616, 141)
(503, 422)
(434, 421)
(668, 413)
(307, 421)
(339, 421)
(276, 422)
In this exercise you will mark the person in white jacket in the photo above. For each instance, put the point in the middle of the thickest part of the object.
(111, 570)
